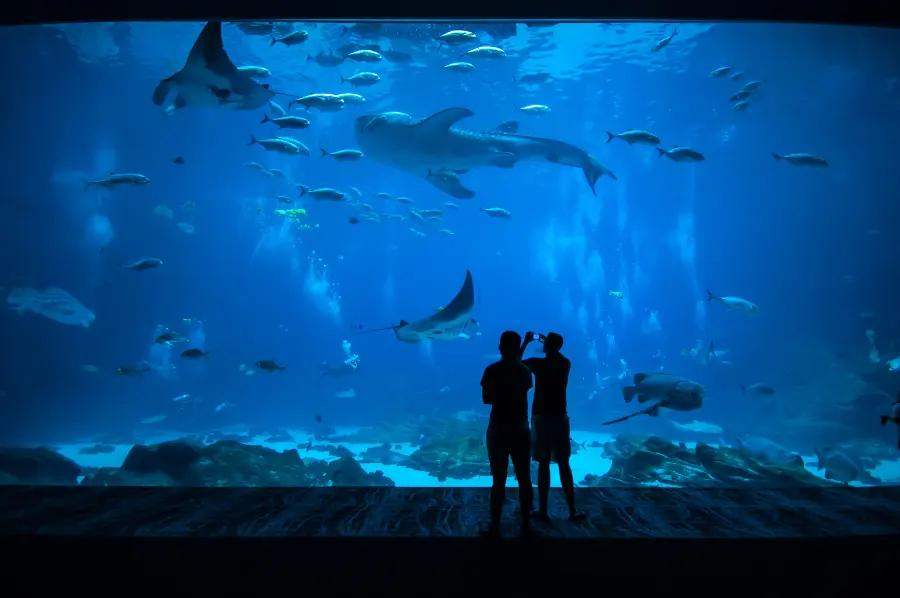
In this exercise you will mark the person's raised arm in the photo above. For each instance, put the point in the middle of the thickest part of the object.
(529, 336)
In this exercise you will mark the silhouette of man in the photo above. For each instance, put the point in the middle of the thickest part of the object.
(504, 386)
(550, 420)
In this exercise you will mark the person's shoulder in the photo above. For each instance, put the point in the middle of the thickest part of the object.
(492, 367)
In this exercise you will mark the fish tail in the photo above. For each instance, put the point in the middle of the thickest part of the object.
(252, 140)
(343, 80)
(819, 460)
(265, 119)
(87, 185)
(272, 42)
(661, 151)
(324, 152)
(593, 170)
(344, 31)
(709, 295)
(610, 136)
(776, 156)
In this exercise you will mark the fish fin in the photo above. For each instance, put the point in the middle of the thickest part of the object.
(653, 411)
(628, 393)
(252, 139)
(87, 184)
(325, 153)
(402, 324)
(610, 136)
(512, 127)
(661, 151)
(710, 296)
(776, 156)
(440, 122)
(265, 119)
(638, 378)
(162, 91)
(504, 160)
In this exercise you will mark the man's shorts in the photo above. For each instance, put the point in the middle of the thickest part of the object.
(550, 438)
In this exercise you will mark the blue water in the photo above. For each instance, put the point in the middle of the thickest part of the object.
(814, 248)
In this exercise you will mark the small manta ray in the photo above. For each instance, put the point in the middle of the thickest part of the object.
(210, 79)
(129, 371)
(194, 353)
(446, 324)
(145, 263)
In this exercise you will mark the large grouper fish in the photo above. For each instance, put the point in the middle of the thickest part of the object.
(430, 146)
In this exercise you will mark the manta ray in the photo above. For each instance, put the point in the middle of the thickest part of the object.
(444, 325)
(209, 79)
(431, 146)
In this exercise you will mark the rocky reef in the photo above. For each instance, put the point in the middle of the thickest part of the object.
(641, 461)
(185, 463)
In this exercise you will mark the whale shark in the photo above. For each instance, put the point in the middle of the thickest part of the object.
(445, 324)
(209, 79)
(425, 146)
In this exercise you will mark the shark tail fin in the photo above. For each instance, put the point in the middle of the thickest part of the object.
(324, 152)
(593, 170)
(265, 119)
(610, 136)
(709, 295)
(252, 140)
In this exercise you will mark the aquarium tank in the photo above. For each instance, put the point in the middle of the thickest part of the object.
(283, 253)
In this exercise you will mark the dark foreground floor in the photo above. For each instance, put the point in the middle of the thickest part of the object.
(426, 539)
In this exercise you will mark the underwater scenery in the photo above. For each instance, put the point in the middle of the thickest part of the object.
(283, 253)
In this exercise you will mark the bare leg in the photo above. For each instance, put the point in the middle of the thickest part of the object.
(498, 497)
(568, 483)
(543, 487)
